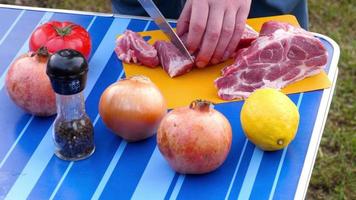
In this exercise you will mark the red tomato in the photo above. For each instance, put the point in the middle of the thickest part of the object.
(61, 35)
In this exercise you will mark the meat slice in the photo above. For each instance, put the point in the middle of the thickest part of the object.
(248, 36)
(172, 60)
(131, 47)
(281, 55)
(268, 28)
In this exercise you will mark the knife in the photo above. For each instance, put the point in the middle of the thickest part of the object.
(162, 23)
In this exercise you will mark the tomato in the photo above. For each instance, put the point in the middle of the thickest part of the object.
(56, 35)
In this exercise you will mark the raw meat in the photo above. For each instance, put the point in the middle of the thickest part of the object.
(172, 60)
(268, 28)
(132, 47)
(248, 36)
(281, 55)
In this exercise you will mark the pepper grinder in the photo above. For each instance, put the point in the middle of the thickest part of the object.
(73, 133)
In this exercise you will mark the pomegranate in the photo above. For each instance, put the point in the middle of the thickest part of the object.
(132, 108)
(194, 139)
(29, 86)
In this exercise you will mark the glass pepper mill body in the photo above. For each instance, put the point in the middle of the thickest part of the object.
(73, 133)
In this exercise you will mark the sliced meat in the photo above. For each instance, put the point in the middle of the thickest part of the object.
(268, 28)
(281, 55)
(172, 60)
(131, 47)
(248, 36)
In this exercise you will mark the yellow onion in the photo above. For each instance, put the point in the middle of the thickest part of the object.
(132, 108)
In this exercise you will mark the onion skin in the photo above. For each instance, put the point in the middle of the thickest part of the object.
(195, 139)
(132, 108)
(29, 86)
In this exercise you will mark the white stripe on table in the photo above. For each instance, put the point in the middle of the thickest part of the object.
(146, 27)
(177, 187)
(11, 27)
(44, 151)
(104, 180)
(236, 170)
(91, 23)
(157, 177)
(47, 16)
(282, 159)
(15, 143)
(251, 173)
(61, 181)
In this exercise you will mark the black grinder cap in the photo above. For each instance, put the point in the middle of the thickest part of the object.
(67, 69)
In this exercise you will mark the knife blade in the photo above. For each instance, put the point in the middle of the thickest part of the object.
(162, 23)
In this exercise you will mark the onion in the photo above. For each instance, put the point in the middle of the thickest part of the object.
(29, 86)
(132, 108)
(194, 139)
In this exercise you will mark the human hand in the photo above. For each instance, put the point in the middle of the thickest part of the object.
(214, 28)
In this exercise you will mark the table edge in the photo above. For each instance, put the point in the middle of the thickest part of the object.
(102, 14)
(56, 10)
(320, 121)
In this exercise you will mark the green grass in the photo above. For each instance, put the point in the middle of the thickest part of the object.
(334, 174)
(86, 5)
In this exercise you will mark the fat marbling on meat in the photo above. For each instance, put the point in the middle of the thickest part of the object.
(131, 47)
(172, 60)
(281, 55)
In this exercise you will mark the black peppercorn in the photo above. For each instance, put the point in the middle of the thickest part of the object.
(74, 138)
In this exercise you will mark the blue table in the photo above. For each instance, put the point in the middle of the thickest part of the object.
(120, 170)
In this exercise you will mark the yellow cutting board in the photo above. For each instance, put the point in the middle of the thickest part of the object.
(199, 83)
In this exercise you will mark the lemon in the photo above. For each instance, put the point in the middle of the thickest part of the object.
(269, 119)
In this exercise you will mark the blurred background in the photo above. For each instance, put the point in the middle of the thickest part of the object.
(334, 174)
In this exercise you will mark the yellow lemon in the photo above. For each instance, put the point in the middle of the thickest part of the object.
(269, 119)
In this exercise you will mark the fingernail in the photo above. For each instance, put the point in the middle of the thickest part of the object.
(201, 64)
(214, 61)
(226, 55)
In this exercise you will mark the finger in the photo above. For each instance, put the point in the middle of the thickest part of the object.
(240, 24)
(227, 31)
(211, 36)
(183, 21)
(197, 24)
(184, 38)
